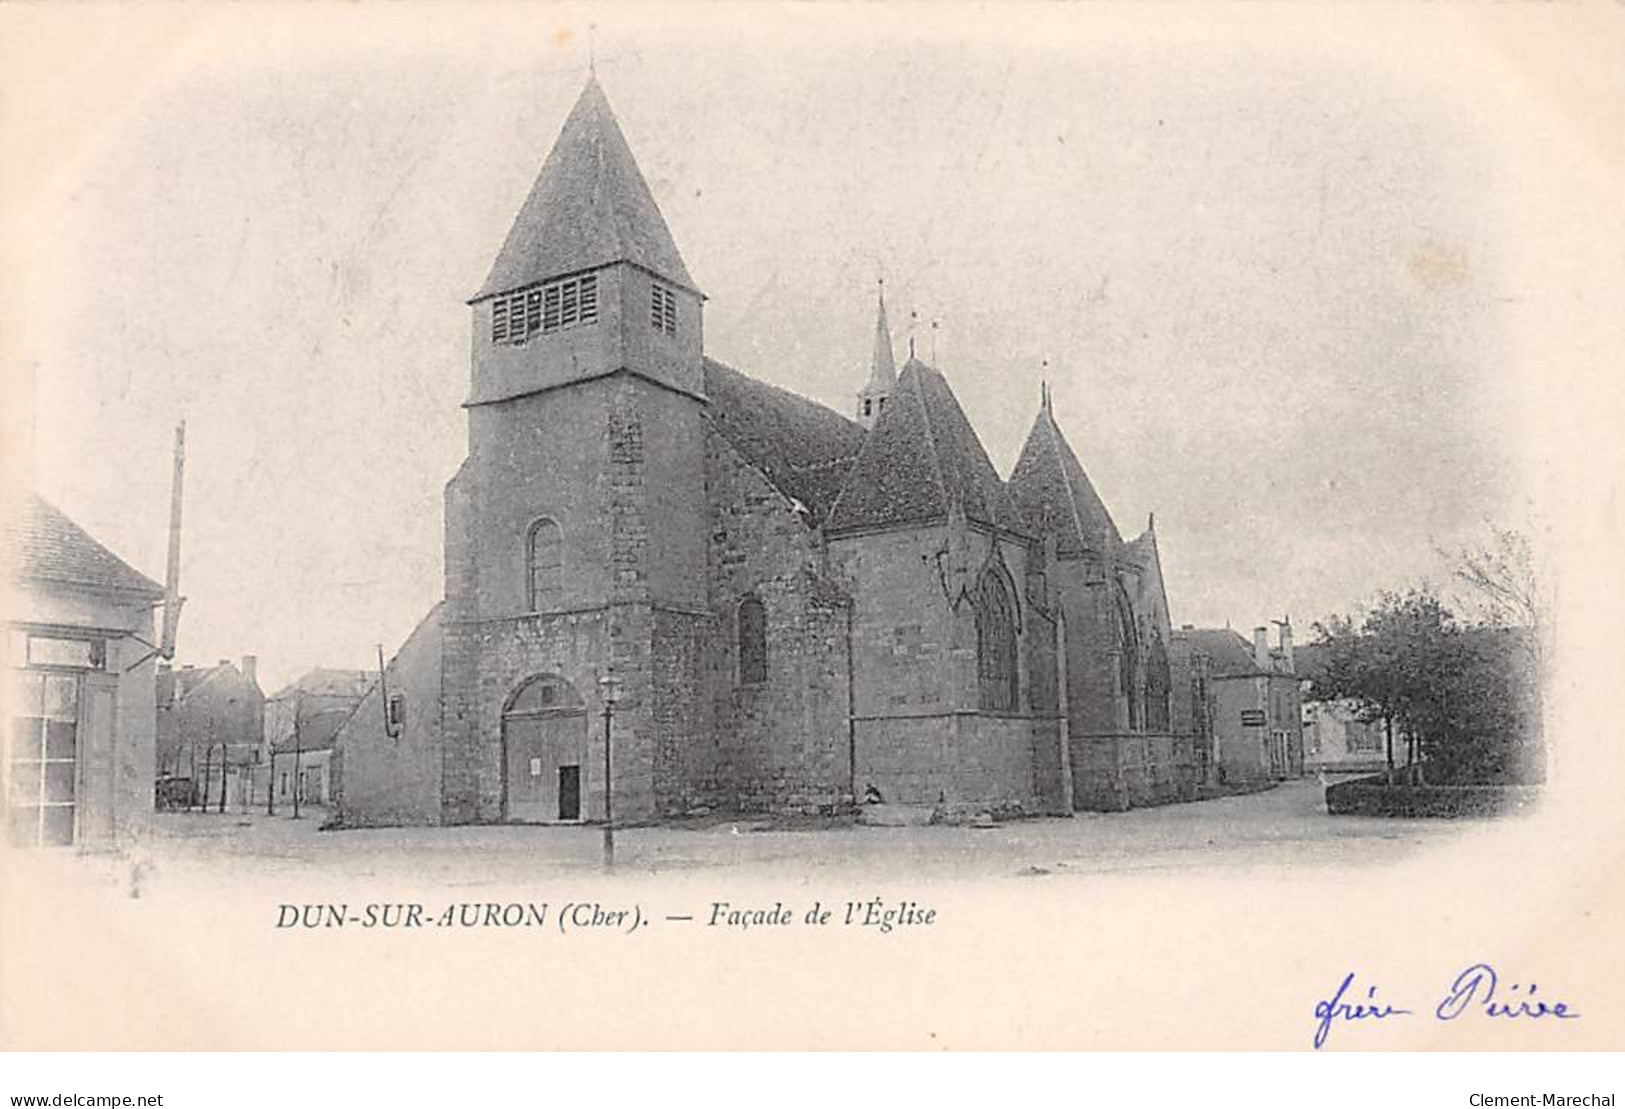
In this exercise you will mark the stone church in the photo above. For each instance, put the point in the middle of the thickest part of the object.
(800, 610)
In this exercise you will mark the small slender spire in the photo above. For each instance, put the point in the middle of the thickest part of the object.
(882, 366)
(934, 342)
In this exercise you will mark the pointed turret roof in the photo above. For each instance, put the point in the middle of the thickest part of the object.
(922, 457)
(590, 206)
(1053, 494)
(882, 367)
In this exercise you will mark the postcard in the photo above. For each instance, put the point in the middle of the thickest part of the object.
(812, 526)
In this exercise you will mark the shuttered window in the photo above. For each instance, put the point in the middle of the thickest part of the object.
(546, 564)
(662, 309)
(516, 317)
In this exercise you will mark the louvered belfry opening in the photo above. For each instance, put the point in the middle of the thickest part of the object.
(542, 309)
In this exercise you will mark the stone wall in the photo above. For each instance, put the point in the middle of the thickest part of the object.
(781, 745)
(383, 780)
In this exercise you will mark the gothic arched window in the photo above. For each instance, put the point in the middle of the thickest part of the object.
(752, 641)
(1128, 657)
(1158, 685)
(996, 643)
(545, 564)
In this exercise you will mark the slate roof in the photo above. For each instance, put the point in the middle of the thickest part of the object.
(43, 545)
(328, 682)
(1052, 493)
(805, 449)
(1231, 654)
(922, 456)
(316, 731)
(1309, 661)
(589, 207)
(177, 685)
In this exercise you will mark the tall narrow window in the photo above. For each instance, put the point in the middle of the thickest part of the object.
(752, 642)
(996, 643)
(546, 565)
(1128, 658)
(1158, 685)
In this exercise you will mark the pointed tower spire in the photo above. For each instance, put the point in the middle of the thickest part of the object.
(589, 207)
(882, 367)
(589, 280)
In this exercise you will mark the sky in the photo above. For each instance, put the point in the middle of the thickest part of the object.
(1283, 277)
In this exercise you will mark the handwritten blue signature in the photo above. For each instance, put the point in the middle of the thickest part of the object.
(1474, 992)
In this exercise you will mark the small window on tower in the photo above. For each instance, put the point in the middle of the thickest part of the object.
(663, 309)
(868, 406)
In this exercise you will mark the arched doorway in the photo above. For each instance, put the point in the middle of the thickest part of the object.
(544, 747)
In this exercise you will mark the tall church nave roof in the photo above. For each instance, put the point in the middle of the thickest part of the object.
(805, 449)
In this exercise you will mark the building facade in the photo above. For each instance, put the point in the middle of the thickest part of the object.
(1252, 701)
(801, 609)
(78, 685)
(302, 720)
(211, 730)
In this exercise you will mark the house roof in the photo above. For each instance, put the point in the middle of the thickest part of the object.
(1053, 494)
(43, 545)
(921, 457)
(1231, 655)
(325, 681)
(1309, 661)
(316, 731)
(805, 449)
(177, 685)
(589, 207)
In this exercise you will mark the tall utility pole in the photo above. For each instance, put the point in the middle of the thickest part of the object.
(172, 573)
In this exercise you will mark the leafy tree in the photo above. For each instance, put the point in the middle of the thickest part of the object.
(1465, 697)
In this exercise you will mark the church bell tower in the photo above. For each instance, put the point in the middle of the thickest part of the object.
(576, 531)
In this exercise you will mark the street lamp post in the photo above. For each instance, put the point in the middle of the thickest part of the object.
(609, 688)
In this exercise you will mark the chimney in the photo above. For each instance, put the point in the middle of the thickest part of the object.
(250, 669)
(1286, 644)
(1261, 648)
